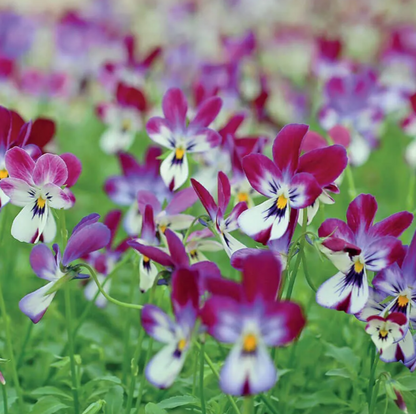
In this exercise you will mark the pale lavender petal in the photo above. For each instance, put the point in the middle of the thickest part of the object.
(43, 262)
(35, 304)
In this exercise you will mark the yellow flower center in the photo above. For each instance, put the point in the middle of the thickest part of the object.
(146, 259)
(193, 253)
(179, 153)
(182, 344)
(41, 202)
(358, 266)
(3, 174)
(250, 343)
(163, 228)
(126, 125)
(242, 197)
(402, 301)
(383, 333)
(281, 202)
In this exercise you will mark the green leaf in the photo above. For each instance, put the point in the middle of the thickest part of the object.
(114, 400)
(152, 408)
(345, 356)
(339, 372)
(49, 390)
(324, 397)
(178, 401)
(48, 405)
(95, 407)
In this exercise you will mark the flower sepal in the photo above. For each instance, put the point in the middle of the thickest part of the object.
(59, 283)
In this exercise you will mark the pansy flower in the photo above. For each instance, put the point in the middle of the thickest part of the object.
(171, 216)
(123, 189)
(357, 247)
(177, 257)
(123, 119)
(103, 261)
(175, 334)
(284, 184)
(223, 226)
(248, 316)
(37, 187)
(88, 236)
(181, 138)
(199, 242)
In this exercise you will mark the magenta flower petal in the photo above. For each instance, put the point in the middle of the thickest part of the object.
(313, 141)
(50, 168)
(185, 295)
(238, 258)
(148, 227)
(224, 191)
(390, 281)
(336, 228)
(409, 262)
(160, 131)
(267, 286)
(129, 165)
(174, 107)
(224, 287)
(145, 198)
(86, 240)
(286, 147)
(284, 321)
(43, 262)
(382, 253)
(20, 165)
(176, 249)
(59, 198)
(74, 167)
(361, 213)
(112, 221)
(207, 112)
(203, 140)
(393, 225)
(181, 201)
(340, 135)
(206, 198)
(157, 324)
(325, 164)
(85, 221)
(304, 190)
(231, 222)
(153, 253)
(263, 175)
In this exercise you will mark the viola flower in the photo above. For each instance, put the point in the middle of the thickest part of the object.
(286, 186)
(357, 247)
(104, 261)
(36, 186)
(123, 189)
(385, 331)
(409, 127)
(171, 216)
(248, 316)
(398, 282)
(313, 141)
(177, 257)
(198, 242)
(87, 236)
(165, 366)
(216, 212)
(173, 133)
(123, 119)
(349, 101)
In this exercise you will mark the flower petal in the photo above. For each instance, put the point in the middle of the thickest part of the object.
(153, 253)
(382, 253)
(181, 201)
(35, 304)
(148, 227)
(304, 190)
(20, 165)
(337, 293)
(231, 223)
(325, 164)
(230, 243)
(286, 147)
(148, 273)
(43, 262)
(160, 131)
(224, 191)
(247, 374)
(18, 190)
(390, 281)
(50, 168)
(174, 171)
(158, 324)
(119, 190)
(174, 107)
(74, 167)
(393, 225)
(361, 213)
(147, 198)
(207, 112)
(57, 198)
(114, 140)
(263, 174)
(338, 229)
(176, 249)
(206, 198)
(202, 140)
(28, 226)
(403, 350)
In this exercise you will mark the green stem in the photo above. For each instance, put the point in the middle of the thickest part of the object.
(25, 342)
(248, 407)
(194, 370)
(374, 360)
(9, 346)
(307, 275)
(411, 191)
(105, 294)
(188, 232)
(300, 255)
(5, 404)
(126, 341)
(217, 375)
(68, 315)
(374, 398)
(201, 379)
(352, 191)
